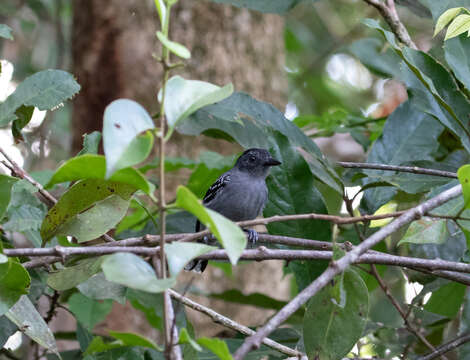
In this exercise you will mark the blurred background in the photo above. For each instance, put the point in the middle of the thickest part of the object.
(304, 64)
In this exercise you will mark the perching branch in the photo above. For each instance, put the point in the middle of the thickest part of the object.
(408, 169)
(339, 266)
(225, 321)
(390, 15)
(451, 345)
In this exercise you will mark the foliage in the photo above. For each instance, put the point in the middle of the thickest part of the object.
(115, 194)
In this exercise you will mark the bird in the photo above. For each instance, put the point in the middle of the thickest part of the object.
(239, 194)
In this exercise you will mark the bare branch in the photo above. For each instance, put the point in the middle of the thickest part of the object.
(389, 13)
(451, 345)
(408, 169)
(225, 321)
(17, 171)
(339, 266)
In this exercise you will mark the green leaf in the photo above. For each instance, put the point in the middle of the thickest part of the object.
(14, 282)
(446, 300)
(71, 276)
(98, 288)
(97, 345)
(161, 9)
(130, 339)
(184, 97)
(179, 254)
(5, 32)
(24, 115)
(292, 190)
(408, 135)
(426, 231)
(28, 319)
(446, 18)
(6, 184)
(457, 54)
(329, 330)
(88, 311)
(91, 166)
(7, 329)
(97, 220)
(464, 177)
(458, 26)
(176, 48)
(265, 6)
(217, 346)
(123, 121)
(230, 236)
(44, 90)
(253, 299)
(185, 338)
(258, 119)
(91, 143)
(81, 198)
(25, 217)
(138, 274)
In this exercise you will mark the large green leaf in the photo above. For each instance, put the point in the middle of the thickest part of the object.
(433, 90)
(44, 90)
(123, 121)
(6, 184)
(446, 300)
(230, 236)
(130, 339)
(258, 120)
(426, 231)
(331, 330)
(179, 254)
(90, 166)
(266, 6)
(88, 311)
(98, 288)
(14, 282)
(81, 198)
(27, 318)
(408, 135)
(71, 276)
(183, 97)
(464, 177)
(457, 53)
(138, 274)
(292, 190)
(217, 346)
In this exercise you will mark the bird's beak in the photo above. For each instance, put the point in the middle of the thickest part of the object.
(272, 162)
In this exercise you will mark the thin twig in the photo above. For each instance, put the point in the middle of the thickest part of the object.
(402, 313)
(340, 265)
(451, 345)
(390, 15)
(19, 172)
(225, 321)
(408, 169)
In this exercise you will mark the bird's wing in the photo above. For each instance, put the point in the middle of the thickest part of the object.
(216, 187)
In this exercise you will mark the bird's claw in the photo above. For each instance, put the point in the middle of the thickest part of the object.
(252, 236)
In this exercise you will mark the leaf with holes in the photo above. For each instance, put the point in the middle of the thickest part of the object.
(123, 121)
(45, 90)
(82, 197)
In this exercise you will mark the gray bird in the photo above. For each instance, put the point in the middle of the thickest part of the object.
(239, 194)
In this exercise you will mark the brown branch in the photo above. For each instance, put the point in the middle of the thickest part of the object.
(390, 15)
(17, 171)
(451, 345)
(402, 313)
(225, 321)
(408, 169)
(340, 265)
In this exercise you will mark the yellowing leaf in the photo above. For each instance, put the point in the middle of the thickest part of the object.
(388, 208)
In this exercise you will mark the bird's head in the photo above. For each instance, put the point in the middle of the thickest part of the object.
(256, 162)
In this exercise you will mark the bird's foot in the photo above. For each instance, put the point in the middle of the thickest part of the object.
(252, 236)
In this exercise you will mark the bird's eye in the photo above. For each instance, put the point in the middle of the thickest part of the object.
(252, 158)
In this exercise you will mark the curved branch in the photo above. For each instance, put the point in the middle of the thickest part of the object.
(451, 345)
